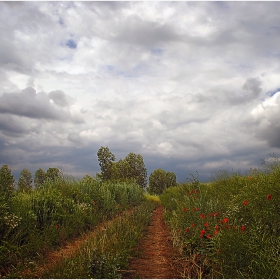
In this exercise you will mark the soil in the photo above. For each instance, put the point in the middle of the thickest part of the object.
(157, 258)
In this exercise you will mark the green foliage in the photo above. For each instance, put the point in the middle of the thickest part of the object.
(7, 183)
(56, 211)
(160, 180)
(129, 169)
(229, 227)
(39, 177)
(25, 181)
(105, 159)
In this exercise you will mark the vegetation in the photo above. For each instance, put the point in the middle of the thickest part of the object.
(44, 218)
(230, 227)
(131, 168)
(160, 180)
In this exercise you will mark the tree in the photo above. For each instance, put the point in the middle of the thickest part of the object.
(106, 160)
(39, 177)
(7, 182)
(53, 173)
(136, 169)
(160, 180)
(25, 180)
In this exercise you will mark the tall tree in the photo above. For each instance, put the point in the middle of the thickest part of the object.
(159, 180)
(53, 173)
(136, 169)
(106, 160)
(7, 182)
(25, 180)
(39, 177)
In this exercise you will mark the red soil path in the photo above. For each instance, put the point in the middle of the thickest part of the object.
(157, 259)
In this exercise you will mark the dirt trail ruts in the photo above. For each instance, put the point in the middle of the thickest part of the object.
(158, 258)
(52, 258)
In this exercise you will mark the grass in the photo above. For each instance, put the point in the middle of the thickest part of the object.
(105, 253)
(36, 222)
(230, 227)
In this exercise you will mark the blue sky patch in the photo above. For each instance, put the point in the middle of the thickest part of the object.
(271, 93)
(71, 44)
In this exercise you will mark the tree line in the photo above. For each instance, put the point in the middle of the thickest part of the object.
(131, 168)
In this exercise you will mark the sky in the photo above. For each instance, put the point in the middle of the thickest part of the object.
(191, 86)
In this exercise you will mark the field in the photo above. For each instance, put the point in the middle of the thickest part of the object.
(228, 228)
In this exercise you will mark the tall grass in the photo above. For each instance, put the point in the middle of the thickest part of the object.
(35, 222)
(229, 228)
(106, 252)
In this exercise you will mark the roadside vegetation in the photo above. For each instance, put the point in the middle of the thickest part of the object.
(229, 228)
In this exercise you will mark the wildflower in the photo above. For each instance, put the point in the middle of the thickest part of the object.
(206, 224)
(233, 227)
(216, 214)
(209, 236)
(225, 220)
(227, 226)
(216, 231)
(185, 209)
(187, 230)
(217, 227)
(243, 228)
(269, 196)
(202, 233)
(56, 226)
(250, 178)
(220, 222)
(193, 225)
(202, 216)
(245, 202)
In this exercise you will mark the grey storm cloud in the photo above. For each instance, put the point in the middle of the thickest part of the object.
(34, 105)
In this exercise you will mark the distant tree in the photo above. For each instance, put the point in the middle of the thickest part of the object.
(160, 180)
(39, 177)
(7, 182)
(136, 169)
(53, 173)
(106, 160)
(25, 180)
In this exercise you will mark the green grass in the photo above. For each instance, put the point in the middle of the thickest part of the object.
(33, 223)
(230, 227)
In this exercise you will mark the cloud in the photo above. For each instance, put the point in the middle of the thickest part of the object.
(34, 105)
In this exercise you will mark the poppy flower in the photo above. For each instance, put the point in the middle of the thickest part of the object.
(187, 230)
(202, 233)
(269, 196)
(56, 226)
(206, 224)
(202, 216)
(216, 231)
(243, 228)
(193, 225)
(250, 178)
(245, 202)
(217, 227)
(225, 220)
(185, 209)
(209, 236)
(233, 227)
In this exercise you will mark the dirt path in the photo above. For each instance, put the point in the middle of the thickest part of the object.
(158, 259)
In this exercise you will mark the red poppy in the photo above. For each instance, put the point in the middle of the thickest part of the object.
(185, 209)
(193, 225)
(250, 178)
(225, 220)
(216, 231)
(245, 202)
(202, 216)
(209, 236)
(56, 226)
(217, 227)
(187, 230)
(243, 228)
(206, 224)
(216, 214)
(233, 227)
(269, 196)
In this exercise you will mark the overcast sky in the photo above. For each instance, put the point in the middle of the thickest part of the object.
(191, 86)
